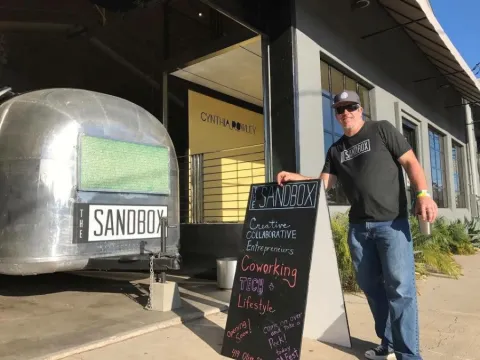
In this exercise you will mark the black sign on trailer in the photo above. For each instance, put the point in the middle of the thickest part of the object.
(268, 302)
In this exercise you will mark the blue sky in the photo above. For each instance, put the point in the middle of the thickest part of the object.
(461, 21)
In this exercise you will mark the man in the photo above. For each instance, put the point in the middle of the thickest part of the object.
(368, 161)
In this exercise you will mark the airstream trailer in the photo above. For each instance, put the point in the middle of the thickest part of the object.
(83, 176)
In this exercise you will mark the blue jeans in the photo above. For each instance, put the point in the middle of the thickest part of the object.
(382, 254)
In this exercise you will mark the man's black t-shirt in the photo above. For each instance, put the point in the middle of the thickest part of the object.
(367, 166)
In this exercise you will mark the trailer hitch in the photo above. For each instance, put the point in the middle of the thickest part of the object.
(146, 259)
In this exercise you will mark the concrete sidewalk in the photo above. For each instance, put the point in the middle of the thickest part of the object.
(449, 320)
(52, 316)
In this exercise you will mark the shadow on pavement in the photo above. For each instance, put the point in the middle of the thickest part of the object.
(89, 306)
(46, 284)
(358, 349)
(133, 285)
(205, 329)
(208, 332)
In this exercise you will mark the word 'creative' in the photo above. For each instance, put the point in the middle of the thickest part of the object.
(270, 230)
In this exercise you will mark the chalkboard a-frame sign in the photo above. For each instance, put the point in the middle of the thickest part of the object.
(268, 302)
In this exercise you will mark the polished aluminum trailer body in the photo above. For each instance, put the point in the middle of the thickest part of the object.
(41, 230)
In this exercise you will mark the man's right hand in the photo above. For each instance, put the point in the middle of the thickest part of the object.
(284, 176)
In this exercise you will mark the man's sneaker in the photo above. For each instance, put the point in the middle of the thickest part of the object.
(380, 353)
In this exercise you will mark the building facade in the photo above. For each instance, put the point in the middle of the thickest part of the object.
(283, 60)
(406, 71)
(396, 81)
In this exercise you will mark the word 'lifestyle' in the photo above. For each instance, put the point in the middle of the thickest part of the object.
(261, 306)
(290, 195)
(288, 274)
(251, 284)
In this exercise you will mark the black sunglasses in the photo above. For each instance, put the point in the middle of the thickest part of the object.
(350, 108)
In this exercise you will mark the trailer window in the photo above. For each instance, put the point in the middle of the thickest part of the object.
(119, 166)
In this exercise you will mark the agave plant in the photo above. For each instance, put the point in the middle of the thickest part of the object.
(433, 252)
(339, 225)
(473, 230)
(460, 241)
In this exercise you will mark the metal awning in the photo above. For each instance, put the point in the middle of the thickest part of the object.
(419, 22)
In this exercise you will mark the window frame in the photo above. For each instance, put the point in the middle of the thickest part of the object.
(414, 129)
(336, 196)
(406, 123)
(367, 110)
(458, 168)
(443, 201)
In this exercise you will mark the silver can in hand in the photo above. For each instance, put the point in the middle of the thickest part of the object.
(425, 226)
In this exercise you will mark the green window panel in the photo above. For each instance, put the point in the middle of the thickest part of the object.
(120, 166)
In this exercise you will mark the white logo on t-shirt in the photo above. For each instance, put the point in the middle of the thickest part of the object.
(356, 150)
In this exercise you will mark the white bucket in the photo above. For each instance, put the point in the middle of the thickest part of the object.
(226, 268)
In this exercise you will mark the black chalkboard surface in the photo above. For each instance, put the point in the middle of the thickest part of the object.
(267, 307)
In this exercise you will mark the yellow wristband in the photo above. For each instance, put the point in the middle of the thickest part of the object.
(422, 193)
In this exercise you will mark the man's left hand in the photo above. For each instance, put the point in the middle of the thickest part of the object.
(426, 208)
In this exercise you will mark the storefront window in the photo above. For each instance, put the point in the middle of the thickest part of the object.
(333, 82)
(365, 100)
(337, 81)
(350, 84)
(437, 165)
(410, 134)
(325, 80)
(459, 175)
(328, 117)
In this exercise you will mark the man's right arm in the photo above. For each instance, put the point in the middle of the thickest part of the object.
(328, 175)
(329, 179)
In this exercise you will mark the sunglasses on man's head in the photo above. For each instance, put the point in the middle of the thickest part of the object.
(350, 108)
